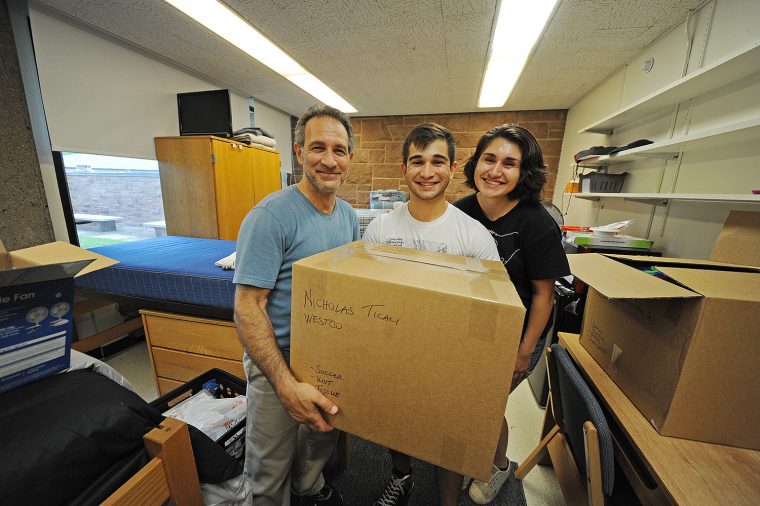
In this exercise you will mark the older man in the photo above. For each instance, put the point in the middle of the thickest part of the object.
(288, 441)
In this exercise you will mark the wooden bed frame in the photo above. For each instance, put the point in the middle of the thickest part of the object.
(218, 313)
(169, 477)
(95, 299)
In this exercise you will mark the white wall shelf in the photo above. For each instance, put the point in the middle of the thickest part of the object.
(727, 70)
(711, 139)
(661, 199)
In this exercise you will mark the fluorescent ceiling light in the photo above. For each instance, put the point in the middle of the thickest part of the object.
(518, 26)
(222, 21)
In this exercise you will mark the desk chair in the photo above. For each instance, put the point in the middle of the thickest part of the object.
(580, 444)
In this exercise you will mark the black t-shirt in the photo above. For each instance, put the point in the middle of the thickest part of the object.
(529, 243)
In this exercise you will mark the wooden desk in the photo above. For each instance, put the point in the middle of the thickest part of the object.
(687, 472)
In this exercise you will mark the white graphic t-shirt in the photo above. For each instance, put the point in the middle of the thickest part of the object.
(454, 233)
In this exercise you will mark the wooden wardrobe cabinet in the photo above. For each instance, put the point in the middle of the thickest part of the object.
(209, 184)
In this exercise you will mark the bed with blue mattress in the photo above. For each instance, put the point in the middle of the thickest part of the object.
(171, 273)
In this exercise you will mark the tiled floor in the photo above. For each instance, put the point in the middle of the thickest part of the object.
(525, 420)
(523, 414)
(134, 364)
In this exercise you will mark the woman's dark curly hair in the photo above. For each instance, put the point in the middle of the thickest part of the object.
(532, 167)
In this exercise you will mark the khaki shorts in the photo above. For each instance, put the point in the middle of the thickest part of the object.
(280, 454)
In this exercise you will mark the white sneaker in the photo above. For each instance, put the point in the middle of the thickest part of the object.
(484, 493)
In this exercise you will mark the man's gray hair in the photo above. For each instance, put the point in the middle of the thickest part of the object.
(316, 110)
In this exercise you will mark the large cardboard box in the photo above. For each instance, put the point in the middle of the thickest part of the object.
(685, 349)
(739, 239)
(36, 302)
(416, 348)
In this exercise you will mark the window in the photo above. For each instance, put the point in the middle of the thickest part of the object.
(114, 199)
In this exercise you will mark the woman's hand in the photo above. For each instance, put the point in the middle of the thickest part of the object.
(540, 310)
(521, 368)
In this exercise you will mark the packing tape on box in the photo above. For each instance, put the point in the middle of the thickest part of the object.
(480, 325)
(338, 255)
(423, 256)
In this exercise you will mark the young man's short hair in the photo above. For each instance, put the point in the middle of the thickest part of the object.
(425, 134)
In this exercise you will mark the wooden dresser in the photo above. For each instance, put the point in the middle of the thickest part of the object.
(183, 347)
(209, 184)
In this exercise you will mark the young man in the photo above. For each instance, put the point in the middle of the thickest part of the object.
(430, 223)
(288, 441)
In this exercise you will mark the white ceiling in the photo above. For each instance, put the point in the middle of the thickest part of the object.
(389, 57)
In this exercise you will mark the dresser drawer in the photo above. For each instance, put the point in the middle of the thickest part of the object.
(183, 366)
(167, 385)
(214, 338)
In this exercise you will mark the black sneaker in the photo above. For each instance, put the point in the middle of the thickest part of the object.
(397, 491)
(328, 496)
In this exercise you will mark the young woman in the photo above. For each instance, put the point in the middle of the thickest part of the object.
(507, 172)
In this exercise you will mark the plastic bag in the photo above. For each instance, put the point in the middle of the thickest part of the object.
(612, 228)
(208, 414)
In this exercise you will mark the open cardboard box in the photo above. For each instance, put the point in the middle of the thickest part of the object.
(683, 349)
(36, 302)
(739, 239)
(416, 348)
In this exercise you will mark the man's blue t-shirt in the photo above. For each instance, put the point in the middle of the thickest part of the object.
(281, 229)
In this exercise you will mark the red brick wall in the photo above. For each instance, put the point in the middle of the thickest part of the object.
(377, 155)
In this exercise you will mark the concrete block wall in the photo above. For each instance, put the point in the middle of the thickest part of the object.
(137, 199)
